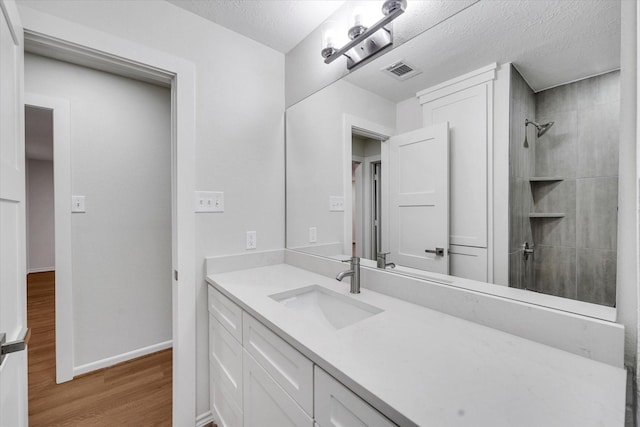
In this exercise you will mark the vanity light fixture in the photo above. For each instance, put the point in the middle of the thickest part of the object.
(364, 41)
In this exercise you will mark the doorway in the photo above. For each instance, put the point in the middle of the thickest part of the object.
(109, 224)
(366, 177)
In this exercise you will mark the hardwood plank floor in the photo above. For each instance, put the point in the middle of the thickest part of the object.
(133, 393)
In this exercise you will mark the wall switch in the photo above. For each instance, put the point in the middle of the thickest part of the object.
(209, 201)
(251, 240)
(77, 204)
(336, 203)
(313, 234)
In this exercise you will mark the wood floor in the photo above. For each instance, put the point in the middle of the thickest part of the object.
(133, 393)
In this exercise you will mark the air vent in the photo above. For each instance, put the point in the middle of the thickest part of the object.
(401, 70)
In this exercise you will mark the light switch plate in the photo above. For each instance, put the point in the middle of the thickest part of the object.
(77, 204)
(209, 201)
(313, 234)
(336, 203)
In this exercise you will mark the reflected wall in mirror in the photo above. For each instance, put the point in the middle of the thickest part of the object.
(443, 171)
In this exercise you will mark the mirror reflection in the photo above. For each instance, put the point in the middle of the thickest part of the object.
(494, 158)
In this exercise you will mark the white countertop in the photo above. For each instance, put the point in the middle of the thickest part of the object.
(422, 367)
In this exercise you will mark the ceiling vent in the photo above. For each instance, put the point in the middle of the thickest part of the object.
(401, 70)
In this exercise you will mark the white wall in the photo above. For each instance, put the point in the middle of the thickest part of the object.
(239, 125)
(40, 224)
(121, 246)
(316, 126)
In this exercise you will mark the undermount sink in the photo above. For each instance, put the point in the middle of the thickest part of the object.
(325, 307)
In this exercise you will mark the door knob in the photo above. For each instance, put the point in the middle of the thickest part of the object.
(437, 251)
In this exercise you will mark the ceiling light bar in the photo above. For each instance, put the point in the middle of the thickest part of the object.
(380, 37)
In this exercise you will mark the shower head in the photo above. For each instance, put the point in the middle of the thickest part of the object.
(542, 129)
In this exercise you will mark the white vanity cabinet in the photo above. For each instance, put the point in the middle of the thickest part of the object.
(257, 379)
(225, 360)
(337, 406)
(266, 403)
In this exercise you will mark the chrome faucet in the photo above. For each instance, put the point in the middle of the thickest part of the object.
(382, 261)
(353, 272)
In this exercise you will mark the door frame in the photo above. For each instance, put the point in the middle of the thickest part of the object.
(62, 227)
(84, 46)
(351, 123)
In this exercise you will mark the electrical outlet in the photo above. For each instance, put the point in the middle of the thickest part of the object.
(252, 242)
(336, 203)
(209, 201)
(313, 234)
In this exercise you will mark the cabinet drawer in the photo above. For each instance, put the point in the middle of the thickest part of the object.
(265, 402)
(336, 405)
(290, 369)
(225, 358)
(228, 313)
(226, 412)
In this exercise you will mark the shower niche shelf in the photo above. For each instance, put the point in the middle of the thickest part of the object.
(545, 179)
(534, 215)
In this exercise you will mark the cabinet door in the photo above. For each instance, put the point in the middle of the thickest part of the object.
(225, 358)
(290, 368)
(225, 411)
(265, 402)
(337, 406)
(228, 313)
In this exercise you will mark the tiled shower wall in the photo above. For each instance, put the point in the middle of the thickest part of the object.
(575, 256)
(521, 164)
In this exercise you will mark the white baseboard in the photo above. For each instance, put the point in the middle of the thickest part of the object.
(204, 419)
(114, 360)
(40, 270)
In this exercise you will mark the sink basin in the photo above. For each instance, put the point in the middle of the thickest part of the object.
(325, 307)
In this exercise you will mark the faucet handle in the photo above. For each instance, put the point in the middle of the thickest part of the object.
(383, 254)
(352, 260)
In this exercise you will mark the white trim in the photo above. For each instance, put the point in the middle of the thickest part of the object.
(490, 201)
(204, 419)
(183, 140)
(349, 122)
(41, 270)
(62, 219)
(465, 81)
(114, 360)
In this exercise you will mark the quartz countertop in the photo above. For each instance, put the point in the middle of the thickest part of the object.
(422, 367)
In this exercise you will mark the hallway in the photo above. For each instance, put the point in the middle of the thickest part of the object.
(136, 392)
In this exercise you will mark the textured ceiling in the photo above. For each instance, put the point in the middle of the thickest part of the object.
(279, 24)
(549, 42)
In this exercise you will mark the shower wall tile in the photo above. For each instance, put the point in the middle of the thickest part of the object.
(555, 271)
(558, 196)
(556, 149)
(598, 140)
(521, 161)
(558, 99)
(598, 90)
(515, 259)
(597, 276)
(597, 213)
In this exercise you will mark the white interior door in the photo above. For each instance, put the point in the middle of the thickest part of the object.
(13, 368)
(418, 176)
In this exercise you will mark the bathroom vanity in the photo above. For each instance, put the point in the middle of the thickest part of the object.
(292, 347)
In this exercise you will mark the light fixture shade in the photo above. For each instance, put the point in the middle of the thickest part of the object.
(329, 38)
(357, 23)
(390, 6)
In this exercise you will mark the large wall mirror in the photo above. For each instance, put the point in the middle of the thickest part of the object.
(495, 159)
